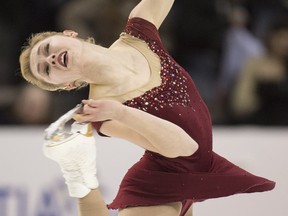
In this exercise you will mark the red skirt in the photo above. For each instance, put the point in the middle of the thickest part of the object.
(145, 184)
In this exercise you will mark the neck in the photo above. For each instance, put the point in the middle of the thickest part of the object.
(99, 65)
(110, 72)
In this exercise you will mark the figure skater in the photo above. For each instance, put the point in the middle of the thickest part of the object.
(138, 93)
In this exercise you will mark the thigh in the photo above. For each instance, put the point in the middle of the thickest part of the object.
(169, 209)
(189, 212)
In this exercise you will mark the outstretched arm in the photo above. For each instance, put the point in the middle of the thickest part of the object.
(155, 11)
(141, 128)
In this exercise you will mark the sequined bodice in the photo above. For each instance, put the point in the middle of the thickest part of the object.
(176, 99)
(173, 88)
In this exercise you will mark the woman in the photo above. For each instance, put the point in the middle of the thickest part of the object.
(140, 94)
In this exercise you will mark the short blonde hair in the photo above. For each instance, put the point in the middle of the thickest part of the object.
(24, 60)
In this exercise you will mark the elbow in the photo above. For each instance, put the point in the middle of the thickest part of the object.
(184, 150)
(189, 149)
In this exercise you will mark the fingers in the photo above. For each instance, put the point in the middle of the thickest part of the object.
(88, 111)
(81, 118)
(90, 102)
(97, 110)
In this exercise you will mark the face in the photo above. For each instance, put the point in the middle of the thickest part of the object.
(57, 59)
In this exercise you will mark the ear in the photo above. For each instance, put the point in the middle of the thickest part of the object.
(69, 86)
(70, 33)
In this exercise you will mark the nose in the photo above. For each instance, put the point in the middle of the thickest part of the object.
(51, 59)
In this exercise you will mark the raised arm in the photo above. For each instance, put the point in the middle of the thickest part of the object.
(155, 11)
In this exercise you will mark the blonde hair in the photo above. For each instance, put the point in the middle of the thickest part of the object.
(24, 60)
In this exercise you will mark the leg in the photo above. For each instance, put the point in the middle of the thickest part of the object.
(92, 204)
(170, 209)
(189, 212)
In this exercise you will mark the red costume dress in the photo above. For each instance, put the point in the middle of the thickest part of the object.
(156, 179)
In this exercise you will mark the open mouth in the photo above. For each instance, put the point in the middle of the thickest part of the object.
(63, 59)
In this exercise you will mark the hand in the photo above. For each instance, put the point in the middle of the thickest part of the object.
(76, 157)
(100, 110)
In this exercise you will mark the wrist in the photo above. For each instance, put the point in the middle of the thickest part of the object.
(121, 112)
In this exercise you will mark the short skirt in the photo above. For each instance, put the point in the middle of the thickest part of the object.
(144, 185)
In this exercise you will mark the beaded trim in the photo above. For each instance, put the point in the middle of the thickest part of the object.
(173, 89)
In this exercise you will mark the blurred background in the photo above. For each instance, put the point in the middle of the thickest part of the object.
(236, 51)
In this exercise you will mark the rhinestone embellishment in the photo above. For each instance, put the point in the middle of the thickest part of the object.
(173, 89)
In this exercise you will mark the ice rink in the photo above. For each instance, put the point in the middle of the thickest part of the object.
(32, 185)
